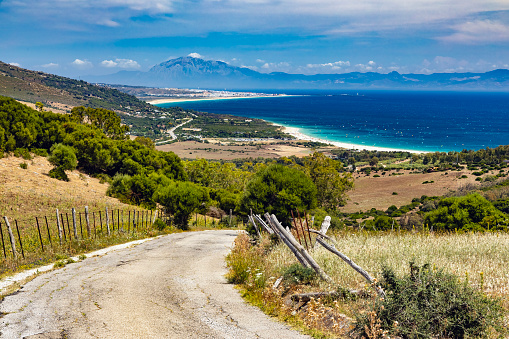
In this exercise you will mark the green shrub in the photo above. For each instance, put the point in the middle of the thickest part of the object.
(23, 165)
(159, 224)
(297, 274)
(394, 193)
(430, 304)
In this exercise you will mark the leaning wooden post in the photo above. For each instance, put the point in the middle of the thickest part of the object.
(251, 220)
(74, 228)
(349, 261)
(301, 250)
(324, 228)
(287, 242)
(11, 236)
(59, 227)
(107, 221)
(87, 219)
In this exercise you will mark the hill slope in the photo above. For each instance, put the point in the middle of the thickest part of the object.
(31, 86)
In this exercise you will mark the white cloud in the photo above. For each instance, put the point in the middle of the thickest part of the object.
(478, 32)
(195, 55)
(108, 23)
(82, 63)
(14, 64)
(50, 65)
(120, 63)
(282, 66)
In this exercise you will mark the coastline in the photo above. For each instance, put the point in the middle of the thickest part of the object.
(176, 100)
(295, 132)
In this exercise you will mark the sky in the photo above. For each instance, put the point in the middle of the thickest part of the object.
(93, 37)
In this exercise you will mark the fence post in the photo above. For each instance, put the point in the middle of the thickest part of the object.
(3, 244)
(122, 216)
(81, 226)
(142, 219)
(13, 241)
(118, 221)
(87, 219)
(19, 237)
(154, 218)
(95, 230)
(101, 221)
(49, 234)
(59, 227)
(75, 229)
(128, 221)
(107, 221)
(39, 230)
(63, 225)
(113, 219)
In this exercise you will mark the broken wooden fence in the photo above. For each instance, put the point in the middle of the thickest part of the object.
(273, 226)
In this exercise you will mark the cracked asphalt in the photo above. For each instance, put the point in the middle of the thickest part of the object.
(169, 287)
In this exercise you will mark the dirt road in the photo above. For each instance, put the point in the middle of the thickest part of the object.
(170, 287)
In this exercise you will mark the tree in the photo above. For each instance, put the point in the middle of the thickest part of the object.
(279, 189)
(64, 159)
(181, 199)
(331, 185)
(373, 161)
(471, 212)
(39, 106)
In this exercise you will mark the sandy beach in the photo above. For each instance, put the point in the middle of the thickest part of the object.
(294, 131)
(172, 100)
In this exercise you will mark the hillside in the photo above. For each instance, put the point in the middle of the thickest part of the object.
(32, 86)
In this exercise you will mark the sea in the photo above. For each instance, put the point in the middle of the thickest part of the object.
(415, 121)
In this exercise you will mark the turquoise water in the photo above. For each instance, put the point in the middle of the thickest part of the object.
(421, 121)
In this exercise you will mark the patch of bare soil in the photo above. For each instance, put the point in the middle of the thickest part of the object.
(221, 151)
(31, 192)
(377, 192)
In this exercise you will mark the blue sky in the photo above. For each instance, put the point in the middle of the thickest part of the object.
(92, 37)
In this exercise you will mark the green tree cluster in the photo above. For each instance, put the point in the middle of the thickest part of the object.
(470, 212)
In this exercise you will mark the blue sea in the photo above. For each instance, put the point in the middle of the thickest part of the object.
(418, 121)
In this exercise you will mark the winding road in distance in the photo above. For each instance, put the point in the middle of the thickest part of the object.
(169, 287)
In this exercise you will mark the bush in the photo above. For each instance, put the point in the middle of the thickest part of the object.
(23, 165)
(297, 274)
(159, 224)
(430, 304)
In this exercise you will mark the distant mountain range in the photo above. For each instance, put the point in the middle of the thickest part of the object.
(189, 72)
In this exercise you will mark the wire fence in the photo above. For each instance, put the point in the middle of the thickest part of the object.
(48, 232)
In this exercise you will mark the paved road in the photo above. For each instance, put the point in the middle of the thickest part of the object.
(170, 287)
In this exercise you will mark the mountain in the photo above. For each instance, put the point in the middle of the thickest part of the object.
(189, 72)
(32, 86)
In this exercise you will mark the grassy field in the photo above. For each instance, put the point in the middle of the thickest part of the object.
(480, 260)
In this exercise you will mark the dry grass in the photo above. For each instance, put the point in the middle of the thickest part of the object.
(479, 259)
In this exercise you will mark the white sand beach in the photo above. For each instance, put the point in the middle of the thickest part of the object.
(294, 131)
(181, 99)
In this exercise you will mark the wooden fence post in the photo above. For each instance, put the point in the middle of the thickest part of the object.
(81, 225)
(113, 219)
(107, 221)
(63, 225)
(59, 227)
(128, 221)
(3, 244)
(122, 216)
(49, 234)
(95, 230)
(74, 228)
(101, 221)
(11, 236)
(118, 220)
(39, 230)
(19, 237)
(87, 219)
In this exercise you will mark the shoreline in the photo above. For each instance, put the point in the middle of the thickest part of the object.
(177, 100)
(295, 132)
